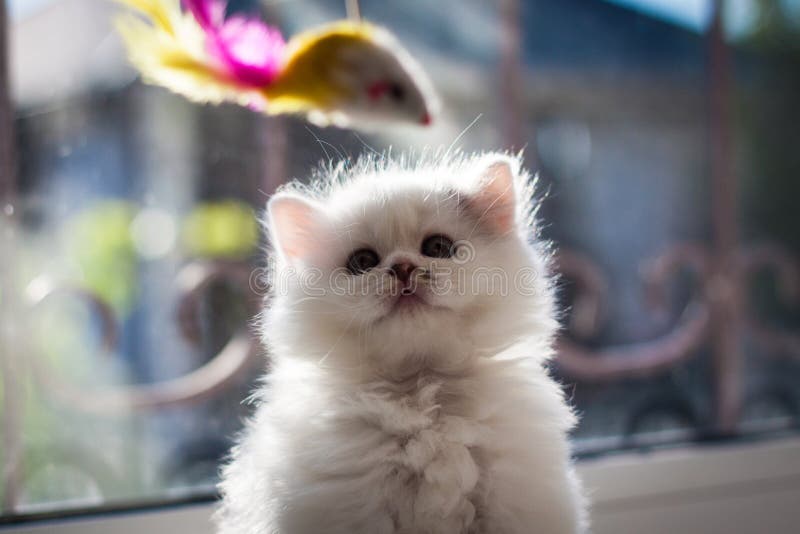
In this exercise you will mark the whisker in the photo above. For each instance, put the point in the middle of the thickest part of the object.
(459, 136)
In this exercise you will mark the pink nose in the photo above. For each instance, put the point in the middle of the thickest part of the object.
(426, 119)
(403, 271)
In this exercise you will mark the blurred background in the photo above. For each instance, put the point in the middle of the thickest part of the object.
(665, 133)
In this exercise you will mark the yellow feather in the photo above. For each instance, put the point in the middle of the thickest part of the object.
(301, 43)
(171, 54)
(309, 78)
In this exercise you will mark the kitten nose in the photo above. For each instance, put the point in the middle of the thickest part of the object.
(403, 271)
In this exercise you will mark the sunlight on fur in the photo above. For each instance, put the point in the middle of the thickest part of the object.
(409, 325)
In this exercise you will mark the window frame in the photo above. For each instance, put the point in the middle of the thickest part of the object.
(740, 488)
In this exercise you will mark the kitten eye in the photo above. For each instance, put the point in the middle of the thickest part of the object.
(437, 246)
(362, 260)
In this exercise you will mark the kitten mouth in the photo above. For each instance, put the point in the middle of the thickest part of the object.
(408, 299)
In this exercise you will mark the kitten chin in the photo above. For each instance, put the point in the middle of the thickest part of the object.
(408, 336)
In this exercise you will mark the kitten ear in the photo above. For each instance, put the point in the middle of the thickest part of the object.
(294, 224)
(494, 201)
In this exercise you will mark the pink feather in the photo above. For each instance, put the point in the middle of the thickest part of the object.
(244, 48)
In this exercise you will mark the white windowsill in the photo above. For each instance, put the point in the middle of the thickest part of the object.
(734, 489)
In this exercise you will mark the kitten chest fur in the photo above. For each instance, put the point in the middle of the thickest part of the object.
(431, 453)
(433, 472)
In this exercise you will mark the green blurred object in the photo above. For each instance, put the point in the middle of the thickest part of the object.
(226, 229)
(99, 241)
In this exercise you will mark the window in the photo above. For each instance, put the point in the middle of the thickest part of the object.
(130, 244)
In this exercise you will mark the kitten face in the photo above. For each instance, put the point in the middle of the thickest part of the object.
(415, 238)
(396, 263)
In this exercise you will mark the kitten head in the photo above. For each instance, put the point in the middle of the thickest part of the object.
(391, 263)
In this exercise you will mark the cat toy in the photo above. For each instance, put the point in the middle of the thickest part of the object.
(344, 73)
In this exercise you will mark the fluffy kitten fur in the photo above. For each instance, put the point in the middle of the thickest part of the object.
(434, 418)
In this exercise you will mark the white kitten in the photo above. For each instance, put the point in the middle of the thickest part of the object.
(408, 328)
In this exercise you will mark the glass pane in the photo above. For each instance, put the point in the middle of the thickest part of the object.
(135, 250)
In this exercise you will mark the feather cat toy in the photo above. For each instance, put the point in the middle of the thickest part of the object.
(343, 73)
